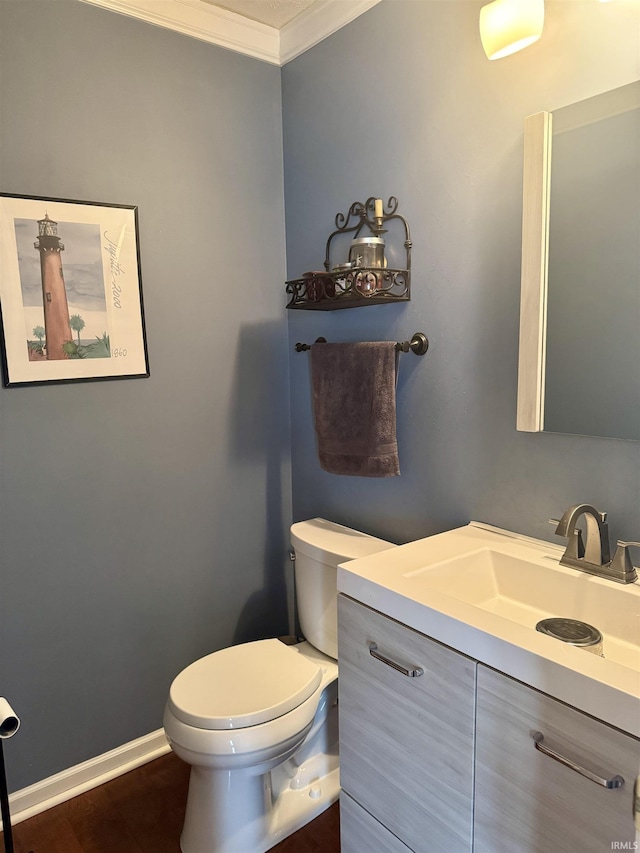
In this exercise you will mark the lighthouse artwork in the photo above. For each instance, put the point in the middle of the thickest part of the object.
(65, 314)
(70, 291)
(54, 296)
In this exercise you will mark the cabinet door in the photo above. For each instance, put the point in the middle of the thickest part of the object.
(406, 743)
(529, 802)
(361, 833)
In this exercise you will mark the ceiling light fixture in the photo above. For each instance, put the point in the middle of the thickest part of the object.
(507, 26)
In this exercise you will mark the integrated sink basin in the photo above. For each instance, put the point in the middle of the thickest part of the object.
(528, 591)
(482, 591)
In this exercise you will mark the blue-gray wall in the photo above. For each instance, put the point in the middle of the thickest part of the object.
(404, 102)
(144, 523)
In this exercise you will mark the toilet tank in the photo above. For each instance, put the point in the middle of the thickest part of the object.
(320, 546)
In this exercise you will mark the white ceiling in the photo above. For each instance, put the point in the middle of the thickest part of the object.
(274, 31)
(274, 13)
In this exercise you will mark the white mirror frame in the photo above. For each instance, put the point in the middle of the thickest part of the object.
(533, 283)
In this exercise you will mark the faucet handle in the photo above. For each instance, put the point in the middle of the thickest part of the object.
(621, 563)
(560, 528)
(575, 548)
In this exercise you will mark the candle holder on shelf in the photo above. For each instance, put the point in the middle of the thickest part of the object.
(365, 278)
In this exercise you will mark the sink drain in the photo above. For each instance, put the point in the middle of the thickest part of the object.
(574, 632)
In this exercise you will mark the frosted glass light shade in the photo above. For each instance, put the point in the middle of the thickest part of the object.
(507, 26)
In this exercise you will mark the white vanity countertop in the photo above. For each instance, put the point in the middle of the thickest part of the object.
(396, 583)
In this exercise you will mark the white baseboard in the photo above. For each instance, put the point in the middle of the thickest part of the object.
(76, 780)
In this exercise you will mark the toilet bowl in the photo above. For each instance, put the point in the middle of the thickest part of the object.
(258, 722)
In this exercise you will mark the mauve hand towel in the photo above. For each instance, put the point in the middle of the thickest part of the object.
(354, 401)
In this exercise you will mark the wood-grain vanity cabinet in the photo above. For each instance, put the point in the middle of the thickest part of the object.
(527, 800)
(457, 758)
(406, 742)
(361, 832)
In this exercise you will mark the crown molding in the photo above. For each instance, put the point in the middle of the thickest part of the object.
(204, 22)
(235, 32)
(316, 23)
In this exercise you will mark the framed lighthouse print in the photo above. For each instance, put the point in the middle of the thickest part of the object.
(70, 291)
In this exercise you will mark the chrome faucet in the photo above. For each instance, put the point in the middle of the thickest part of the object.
(593, 556)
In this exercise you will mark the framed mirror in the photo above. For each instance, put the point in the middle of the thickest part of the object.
(579, 359)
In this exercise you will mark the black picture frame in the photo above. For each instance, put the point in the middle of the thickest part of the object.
(71, 306)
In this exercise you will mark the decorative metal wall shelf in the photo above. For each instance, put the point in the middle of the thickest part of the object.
(346, 285)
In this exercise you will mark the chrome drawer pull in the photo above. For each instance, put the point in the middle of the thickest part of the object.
(614, 782)
(410, 671)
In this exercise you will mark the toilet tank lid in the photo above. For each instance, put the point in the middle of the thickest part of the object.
(332, 543)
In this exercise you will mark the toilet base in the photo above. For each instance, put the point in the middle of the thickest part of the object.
(281, 801)
(244, 811)
(305, 797)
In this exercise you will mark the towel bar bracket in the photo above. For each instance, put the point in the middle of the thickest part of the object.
(419, 344)
(305, 347)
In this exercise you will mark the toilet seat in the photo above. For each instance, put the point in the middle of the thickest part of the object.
(243, 686)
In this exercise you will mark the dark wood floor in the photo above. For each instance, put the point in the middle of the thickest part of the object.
(142, 812)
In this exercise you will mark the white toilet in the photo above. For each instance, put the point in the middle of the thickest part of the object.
(258, 722)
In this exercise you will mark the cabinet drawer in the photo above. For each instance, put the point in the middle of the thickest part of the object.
(529, 802)
(359, 832)
(406, 743)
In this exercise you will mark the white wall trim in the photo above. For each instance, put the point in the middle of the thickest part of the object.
(235, 32)
(205, 22)
(533, 280)
(83, 777)
(318, 22)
